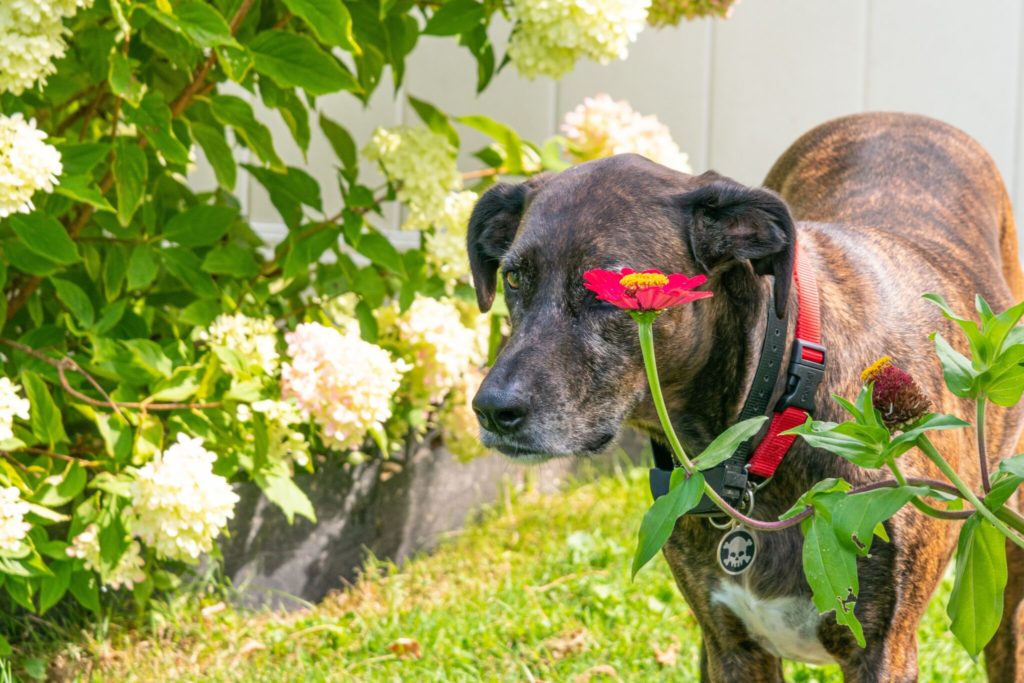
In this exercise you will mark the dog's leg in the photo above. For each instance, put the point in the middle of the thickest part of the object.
(918, 567)
(738, 662)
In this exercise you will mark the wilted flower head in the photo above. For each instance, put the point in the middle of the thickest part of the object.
(671, 12)
(345, 383)
(27, 164)
(896, 395)
(253, 339)
(178, 504)
(11, 405)
(601, 127)
(31, 38)
(422, 164)
(13, 526)
(550, 36)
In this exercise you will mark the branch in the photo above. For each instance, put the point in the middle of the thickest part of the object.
(67, 363)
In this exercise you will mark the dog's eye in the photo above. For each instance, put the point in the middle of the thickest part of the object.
(512, 279)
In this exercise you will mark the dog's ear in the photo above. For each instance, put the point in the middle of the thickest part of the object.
(492, 227)
(727, 221)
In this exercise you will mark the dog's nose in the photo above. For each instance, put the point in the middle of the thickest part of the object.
(500, 411)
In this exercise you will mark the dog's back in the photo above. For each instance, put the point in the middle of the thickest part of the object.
(907, 174)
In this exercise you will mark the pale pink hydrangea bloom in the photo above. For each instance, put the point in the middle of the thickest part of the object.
(601, 127)
(345, 383)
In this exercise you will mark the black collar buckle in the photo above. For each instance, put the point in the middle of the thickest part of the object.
(803, 377)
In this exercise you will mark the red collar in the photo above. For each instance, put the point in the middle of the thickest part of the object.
(803, 377)
(806, 368)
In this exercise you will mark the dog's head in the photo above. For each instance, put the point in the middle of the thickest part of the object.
(571, 372)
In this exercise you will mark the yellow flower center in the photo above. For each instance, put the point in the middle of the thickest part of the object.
(872, 370)
(637, 281)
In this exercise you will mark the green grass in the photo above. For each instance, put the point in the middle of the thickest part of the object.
(538, 589)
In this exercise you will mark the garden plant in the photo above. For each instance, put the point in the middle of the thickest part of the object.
(155, 349)
(889, 418)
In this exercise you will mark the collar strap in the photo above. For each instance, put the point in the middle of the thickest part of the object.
(803, 376)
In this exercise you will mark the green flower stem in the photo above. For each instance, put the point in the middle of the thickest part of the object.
(645, 324)
(924, 507)
(928, 448)
(979, 426)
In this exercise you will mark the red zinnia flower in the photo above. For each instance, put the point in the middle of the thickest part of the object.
(650, 290)
(896, 395)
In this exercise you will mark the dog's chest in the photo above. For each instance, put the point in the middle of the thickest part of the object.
(786, 627)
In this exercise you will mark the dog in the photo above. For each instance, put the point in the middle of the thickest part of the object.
(885, 207)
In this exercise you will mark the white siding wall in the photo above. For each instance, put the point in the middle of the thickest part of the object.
(736, 93)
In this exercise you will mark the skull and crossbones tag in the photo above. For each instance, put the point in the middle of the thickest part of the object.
(736, 551)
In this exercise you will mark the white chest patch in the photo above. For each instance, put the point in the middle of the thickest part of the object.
(786, 627)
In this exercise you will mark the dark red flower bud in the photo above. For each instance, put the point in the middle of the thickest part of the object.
(896, 395)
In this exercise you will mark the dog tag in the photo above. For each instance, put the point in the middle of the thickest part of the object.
(736, 551)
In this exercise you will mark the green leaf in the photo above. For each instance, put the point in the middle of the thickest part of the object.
(81, 157)
(130, 172)
(860, 444)
(45, 237)
(231, 259)
(86, 590)
(142, 267)
(217, 152)
(76, 301)
(84, 190)
(44, 417)
(122, 78)
(1003, 384)
(975, 606)
(200, 225)
(329, 20)
(507, 138)
(293, 110)
(857, 516)
(980, 347)
(288, 191)
(341, 142)
(931, 422)
(196, 20)
(153, 118)
(115, 266)
(295, 61)
(53, 589)
(237, 113)
(280, 489)
(726, 443)
(379, 250)
(27, 261)
(69, 484)
(237, 62)
(455, 16)
(956, 368)
(830, 567)
(660, 519)
(435, 119)
(148, 356)
(185, 266)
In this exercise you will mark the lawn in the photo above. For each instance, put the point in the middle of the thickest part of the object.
(537, 589)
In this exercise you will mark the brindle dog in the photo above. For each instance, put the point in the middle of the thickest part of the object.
(889, 206)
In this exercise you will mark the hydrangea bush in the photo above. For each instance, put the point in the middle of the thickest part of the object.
(155, 351)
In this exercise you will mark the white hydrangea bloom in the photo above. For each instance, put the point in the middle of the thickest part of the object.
(459, 426)
(550, 36)
(27, 163)
(178, 504)
(13, 526)
(285, 442)
(31, 38)
(446, 246)
(254, 339)
(422, 163)
(343, 382)
(129, 570)
(443, 348)
(601, 127)
(12, 405)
